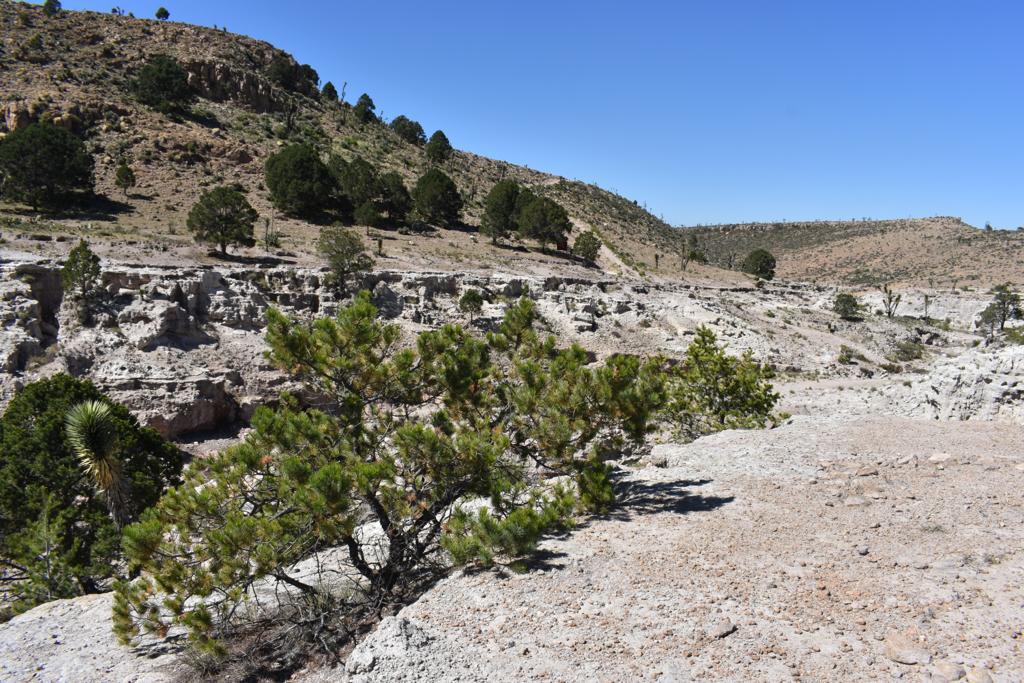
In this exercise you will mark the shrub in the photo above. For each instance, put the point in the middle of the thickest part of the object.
(162, 14)
(545, 221)
(163, 84)
(364, 109)
(124, 178)
(438, 149)
(345, 255)
(57, 538)
(300, 184)
(437, 199)
(329, 92)
(43, 165)
(760, 263)
(410, 436)
(846, 306)
(223, 216)
(499, 219)
(409, 130)
(716, 391)
(81, 278)
(587, 246)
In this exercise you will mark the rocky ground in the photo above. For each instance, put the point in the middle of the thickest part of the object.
(876, 534)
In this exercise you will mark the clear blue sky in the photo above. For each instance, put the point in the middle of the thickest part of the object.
(711, 111)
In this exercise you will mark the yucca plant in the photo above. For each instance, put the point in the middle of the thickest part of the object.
(92, 436)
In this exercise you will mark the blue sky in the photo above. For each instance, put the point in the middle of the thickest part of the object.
(713, 111)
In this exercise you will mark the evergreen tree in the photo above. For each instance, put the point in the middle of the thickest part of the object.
(163, 84)
(438, 148)
(162, 14)
(587, 246)
(472, 302)
(409, 130)
(396, 200)
(223, 216)
(81, 277)
(51, 8)
(42, 165)
(545, 221)
(359, 182)
(499, 219)
(369, 215)
(437, 199)
(300, 184)
(124, 178)
(56, 531)
(846, 306)
(1005, 306)
(760, 263)
(364, 109)
(345, 255)
(329, 93)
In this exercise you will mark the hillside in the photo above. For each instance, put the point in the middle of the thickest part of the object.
(76, 69)
(935, 252)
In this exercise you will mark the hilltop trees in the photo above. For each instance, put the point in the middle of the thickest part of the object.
(300, 184)
(409, 130)
(51, 8)
(43, 165)
(329, 92)
(162, 14)
(345, 255)
(223, 216)
(436, 198)
(760, 263)
(57, 537)
(163, 84)
(365, 109)
(438, 148)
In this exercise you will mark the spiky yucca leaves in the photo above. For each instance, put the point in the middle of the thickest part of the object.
(92, 436)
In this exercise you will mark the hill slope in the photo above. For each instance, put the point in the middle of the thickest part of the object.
(76, 69)
(937, 252)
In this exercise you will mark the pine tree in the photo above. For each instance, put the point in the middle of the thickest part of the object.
(437, 199)
(223, 216)
(329, 92)
(300, 184)
(81, 278)
(587, 246)
(163, 84)
(345, 255)
(544, 220)
(162, 14)
(364, 109)
(499, 219)
(438, 149)
(396, 200)
(43, 165)
(760, 263)
(409, 130)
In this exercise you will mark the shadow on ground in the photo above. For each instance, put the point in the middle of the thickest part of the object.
(634, 498)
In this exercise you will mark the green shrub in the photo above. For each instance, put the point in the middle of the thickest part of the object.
(43, 165)
(300, 184)
(760, 263)
(124, 178)
(587, 246)
(163, 84)
(345, 255)
(57, 538)
(846, 306)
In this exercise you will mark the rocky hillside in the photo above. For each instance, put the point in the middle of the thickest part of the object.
(940, 252)
(76, 69)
